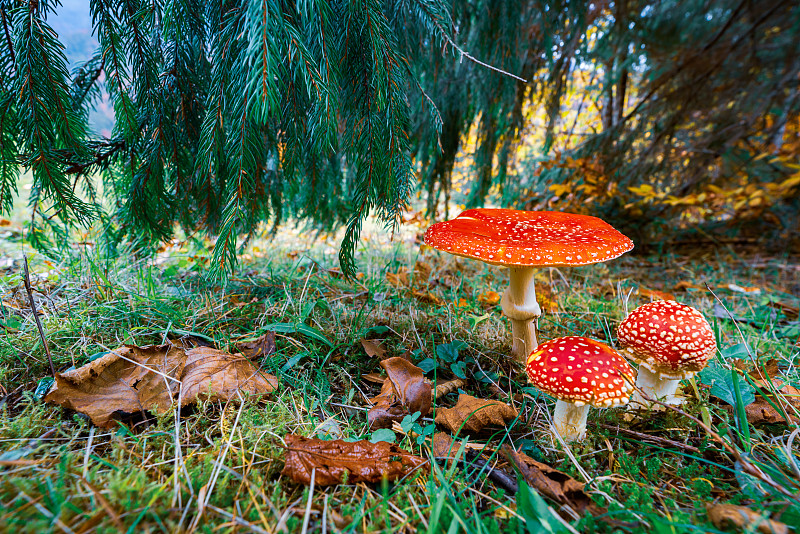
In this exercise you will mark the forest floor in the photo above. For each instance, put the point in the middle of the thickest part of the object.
(653, 472)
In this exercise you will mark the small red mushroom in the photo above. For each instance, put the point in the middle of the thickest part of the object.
(670, 341)
(579, 372)
(522, 241)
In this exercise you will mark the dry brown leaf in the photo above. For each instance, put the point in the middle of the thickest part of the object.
(427, 297)
(422, 271)
(442, 445)
(374, 377)
(404, 392)
(683, 285)
(337, 461)
(472, 414)
(5, 222)
(398, 279)
(547, 301)
(373, 349)
(654, 294)
(552, 483)
(113, 384)
(123, 381)
(215, 375)
(489, 298)
(260, 347)
(727, 516)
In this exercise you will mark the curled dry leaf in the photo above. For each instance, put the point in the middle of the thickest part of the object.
(337, 461)
(404, 392)
(472, 414)
(258, 348)
(124, 382)
(552, 483)
(727, 516)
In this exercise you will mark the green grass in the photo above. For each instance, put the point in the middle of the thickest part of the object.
(69, 477)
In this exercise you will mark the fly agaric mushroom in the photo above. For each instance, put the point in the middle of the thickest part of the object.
(579, 372)
(522, 241)
(670, 341)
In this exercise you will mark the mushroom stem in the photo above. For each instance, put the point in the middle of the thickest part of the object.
(569, 420)
(519, 304)
(656, 387)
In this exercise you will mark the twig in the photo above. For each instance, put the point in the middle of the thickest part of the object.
(36, 314)
(465, 54)
(648, 437)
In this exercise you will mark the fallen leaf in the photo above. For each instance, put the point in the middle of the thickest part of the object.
(373, 349)
(337, 461)
(442, 445)
(761, 411)
(398, 279)
(404, 392)
(683, 285)
(260, 347)
(743, 289)
(422, 271)
(547, 301)
(552, 483)
(767, 369)
(5, 222)
(489, 298)
(212, 374)
(374, 377)
(123, 381)
(472, 414)
(427, 296)
(726, 516)
(654, 294)
(460, 303)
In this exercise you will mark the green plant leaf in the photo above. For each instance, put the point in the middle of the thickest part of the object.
(539, 517)
(721, 379)
(383, 434)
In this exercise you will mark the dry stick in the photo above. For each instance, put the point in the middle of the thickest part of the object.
(648, 437)
(36, 313)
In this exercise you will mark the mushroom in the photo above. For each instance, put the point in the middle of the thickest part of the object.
(579, 372)
(522, 241)
(670, 341)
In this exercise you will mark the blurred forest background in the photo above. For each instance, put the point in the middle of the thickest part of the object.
(677, 121)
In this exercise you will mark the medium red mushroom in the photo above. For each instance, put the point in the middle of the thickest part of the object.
(522, 241)
(579, 372)
(670, 341)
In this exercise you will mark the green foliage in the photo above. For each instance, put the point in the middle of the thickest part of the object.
(228, 114)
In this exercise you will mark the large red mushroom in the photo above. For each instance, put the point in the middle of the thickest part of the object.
(670, 341)
(522, 241)
(579, 372)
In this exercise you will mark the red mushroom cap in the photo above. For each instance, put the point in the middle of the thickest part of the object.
(528, 238)
(581, 370)
(668, 337)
